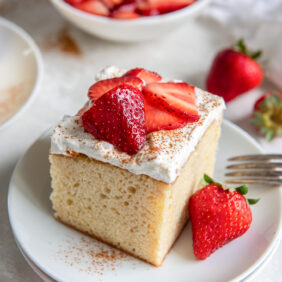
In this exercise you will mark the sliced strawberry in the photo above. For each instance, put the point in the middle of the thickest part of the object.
(176, 98)
(164, 6)
(74, 2)
(103, 86)
(147, 76)
(112, 3)
(118, 117)
(156, 119)
(84, 108)
(150, 12)
(124, 15)
(125, 7)
(93, 7)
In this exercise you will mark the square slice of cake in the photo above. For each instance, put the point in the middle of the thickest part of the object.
(135, 202)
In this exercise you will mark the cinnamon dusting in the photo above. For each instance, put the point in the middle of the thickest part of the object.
(11, 99)
(72, 153)
(159, 144)
(91, 256)
(64, 42)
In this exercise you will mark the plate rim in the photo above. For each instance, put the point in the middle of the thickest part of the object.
(39, 63)
(251, 275)
(250, 270)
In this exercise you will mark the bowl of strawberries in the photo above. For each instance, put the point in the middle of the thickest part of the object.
(129, 20)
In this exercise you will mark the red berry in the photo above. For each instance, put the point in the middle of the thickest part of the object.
(233, 73)
(95, 7)
(257, 103)
(112, 3)
(124, 15)
(267, 117)
(145, 75)
(156, 119)
(118, 117)
(163, 6)
(218, 216)
(178, 99)
(266, 95)
(129, 9)
(74, 2)
(125, 11)
(150, 12)
(101, 87)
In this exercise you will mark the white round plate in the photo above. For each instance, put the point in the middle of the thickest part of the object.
(20, 71)
(67, 255)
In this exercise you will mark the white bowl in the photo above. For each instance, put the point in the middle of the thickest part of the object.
(134, 30)
(20, 71)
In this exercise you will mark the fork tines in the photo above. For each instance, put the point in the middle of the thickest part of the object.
(265, 157)
(256, 169)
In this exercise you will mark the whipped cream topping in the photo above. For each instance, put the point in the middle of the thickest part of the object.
(165, 151)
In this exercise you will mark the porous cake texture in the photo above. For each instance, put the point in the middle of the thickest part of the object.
(133, 212)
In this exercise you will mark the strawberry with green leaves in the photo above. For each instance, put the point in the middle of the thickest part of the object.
(268, 115)
(234, 71)
(218, 216)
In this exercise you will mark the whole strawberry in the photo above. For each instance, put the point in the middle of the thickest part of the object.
(268, 115)
(234, 71)
(218, 216)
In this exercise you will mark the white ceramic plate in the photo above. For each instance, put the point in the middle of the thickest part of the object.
(20, 71)
(67, 255)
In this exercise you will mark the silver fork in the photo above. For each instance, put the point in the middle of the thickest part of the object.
(256, 169)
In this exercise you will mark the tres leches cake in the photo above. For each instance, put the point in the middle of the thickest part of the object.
(123, 169)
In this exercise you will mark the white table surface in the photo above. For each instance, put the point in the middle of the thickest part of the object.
(186, 54)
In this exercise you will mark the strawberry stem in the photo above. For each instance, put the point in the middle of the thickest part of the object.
(243, 190)
(253, 201)
(241, 47)
(256, 55)
(209, 180)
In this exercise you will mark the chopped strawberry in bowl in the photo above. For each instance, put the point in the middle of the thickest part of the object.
(129, 9)
(129, 20)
